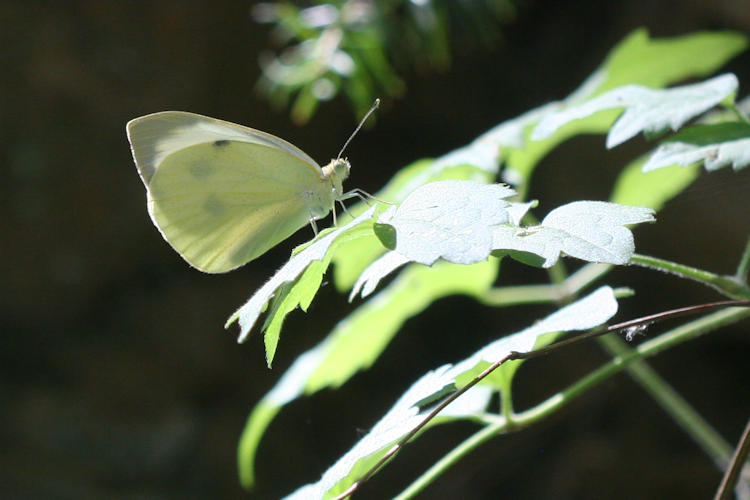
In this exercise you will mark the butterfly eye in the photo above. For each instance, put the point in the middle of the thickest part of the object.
(341, 169)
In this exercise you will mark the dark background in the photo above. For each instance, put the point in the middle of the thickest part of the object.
(117, 379)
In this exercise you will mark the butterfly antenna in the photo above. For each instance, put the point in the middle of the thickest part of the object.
(362, 122)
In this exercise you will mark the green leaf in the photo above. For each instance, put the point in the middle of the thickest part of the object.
(390, 261)
(358, 340)
(703, 135)
(395, 424)
(477, 161)
(716, 146)
(646, 110)
(249, 312)
(638, 59)
(288, 388)
(255, 427)
(463, 222)
(657, 62)
(651, 189)
(293, 294)
(406, 414)
(586, 313)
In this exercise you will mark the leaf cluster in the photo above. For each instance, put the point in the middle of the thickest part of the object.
(450, 227)
(359, 47)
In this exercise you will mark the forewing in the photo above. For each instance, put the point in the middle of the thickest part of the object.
(222, 204)
(156, 136)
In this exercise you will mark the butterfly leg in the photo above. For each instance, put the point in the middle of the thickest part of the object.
(362, 195)
(314, 226)
(343, 207)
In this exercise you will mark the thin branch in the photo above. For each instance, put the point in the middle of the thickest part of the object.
(735, 466)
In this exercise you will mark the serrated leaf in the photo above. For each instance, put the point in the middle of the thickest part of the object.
(646, 110)
(249, 312)
(405, 415)
(358, 340)
(449, 220)
(382, 267)
(351, 258)
(297, 293)
(590, 230)
(390, 261)
(715, 146)
(395, 424)
(478, 161)
(591, 311)
(638, 59)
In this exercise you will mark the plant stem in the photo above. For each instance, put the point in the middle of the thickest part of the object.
(735, 466)
(743, 268)
(673, 403)
(534, 294)
(727, 286)
(554, 403)
(453, 456)
(738, 112)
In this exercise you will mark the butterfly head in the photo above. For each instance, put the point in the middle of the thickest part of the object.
(337, 171)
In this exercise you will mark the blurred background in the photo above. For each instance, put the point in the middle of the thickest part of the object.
(117, 379)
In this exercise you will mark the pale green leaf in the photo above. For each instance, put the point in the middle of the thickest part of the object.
(395, 424)
(405, 415)
(646, 110)
(638, 59)
(357, 341)
(390, 261)
(586, 313)
(715, 145)
(651, 189)
(657, 62)
(249, 312)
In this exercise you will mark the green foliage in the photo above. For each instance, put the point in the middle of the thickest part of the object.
(449, 228)
(357, 47)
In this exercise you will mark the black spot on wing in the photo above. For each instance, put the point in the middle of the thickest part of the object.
(200, 169)
(214, 206)
(221, 143)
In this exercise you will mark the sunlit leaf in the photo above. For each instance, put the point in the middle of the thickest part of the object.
(646, 110)
(590, 230)
(248, 314)
(715, 146)
(449, 220)
(407, 413)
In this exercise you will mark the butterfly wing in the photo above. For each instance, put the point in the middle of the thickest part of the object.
(154, 137)
(221, 202)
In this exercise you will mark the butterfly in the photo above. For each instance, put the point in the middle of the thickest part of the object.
(222, 194)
